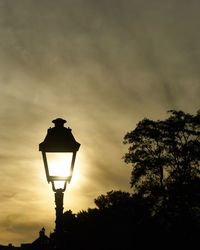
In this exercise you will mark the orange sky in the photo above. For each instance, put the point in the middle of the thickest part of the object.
(101, 65)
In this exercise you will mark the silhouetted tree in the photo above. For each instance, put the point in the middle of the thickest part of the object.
(164, 153)
(69, 220)
(112, 199)
(115, 222)
(165, 156)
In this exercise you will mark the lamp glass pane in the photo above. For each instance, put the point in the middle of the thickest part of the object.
(59, 164)
(59, 184)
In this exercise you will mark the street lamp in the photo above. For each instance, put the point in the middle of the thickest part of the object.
(59, 152)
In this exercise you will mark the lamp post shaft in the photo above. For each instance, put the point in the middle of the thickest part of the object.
(59, 214)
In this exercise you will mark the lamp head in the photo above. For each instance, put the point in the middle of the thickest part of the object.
(59, 139)
(59, 143)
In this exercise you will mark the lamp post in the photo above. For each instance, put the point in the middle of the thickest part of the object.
(59, 152)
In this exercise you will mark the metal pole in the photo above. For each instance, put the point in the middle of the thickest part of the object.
(59, 214)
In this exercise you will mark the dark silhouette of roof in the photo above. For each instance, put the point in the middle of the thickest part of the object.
(9, 247)
(42, 242)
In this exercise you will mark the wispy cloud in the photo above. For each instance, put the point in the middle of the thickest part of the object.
(103, 66)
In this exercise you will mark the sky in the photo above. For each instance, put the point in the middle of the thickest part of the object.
(101, 65)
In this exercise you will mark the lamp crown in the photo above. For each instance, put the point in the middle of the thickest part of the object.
(59, 139)
(59, 122)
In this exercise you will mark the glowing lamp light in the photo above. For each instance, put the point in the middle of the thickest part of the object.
(59, 152)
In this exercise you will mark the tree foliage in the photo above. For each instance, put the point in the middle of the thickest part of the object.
(118, 219)
(164, 154)
(112, 199)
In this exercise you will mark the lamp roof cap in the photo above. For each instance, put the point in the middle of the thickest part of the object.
(59, 122)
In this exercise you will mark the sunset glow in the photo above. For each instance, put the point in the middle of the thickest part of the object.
(102, 66)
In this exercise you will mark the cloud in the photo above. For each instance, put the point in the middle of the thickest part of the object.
(101, 65)
(17, 228)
